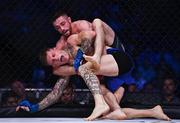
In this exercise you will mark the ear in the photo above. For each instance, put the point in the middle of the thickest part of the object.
(69, 19)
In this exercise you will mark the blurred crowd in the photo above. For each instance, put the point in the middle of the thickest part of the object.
(156, 71)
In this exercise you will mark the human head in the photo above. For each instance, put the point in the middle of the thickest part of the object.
(169, 86)
(62, 23)
(54, 57)
(68, 95)
(132, 88)
(9, 99)
(18, 88)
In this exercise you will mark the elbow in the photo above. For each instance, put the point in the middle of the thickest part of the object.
(97, 22)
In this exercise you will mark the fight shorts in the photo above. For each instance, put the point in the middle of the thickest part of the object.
(118, 44)
(125, 65)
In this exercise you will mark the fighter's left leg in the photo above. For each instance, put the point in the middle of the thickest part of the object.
(155, 112)
(92, 82)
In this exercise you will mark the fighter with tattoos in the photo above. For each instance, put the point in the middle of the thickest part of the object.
(66, 57)
(106, 68)
(55, 58)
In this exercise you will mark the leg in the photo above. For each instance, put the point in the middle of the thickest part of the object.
(93, 83)
(155, 112)
(110, 98)
(116, 113)
(119, 94)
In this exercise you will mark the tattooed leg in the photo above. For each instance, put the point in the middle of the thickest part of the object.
(92, 82)
(55, 94)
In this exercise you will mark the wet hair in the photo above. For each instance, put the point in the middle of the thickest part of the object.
(43, 56)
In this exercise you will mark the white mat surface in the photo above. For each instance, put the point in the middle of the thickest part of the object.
(80, 120)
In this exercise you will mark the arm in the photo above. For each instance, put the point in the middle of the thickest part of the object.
(55, 94)
(50, 99)
(65, 70)
(86, 39)
(99, 40)
(77, 39)
(61, 42)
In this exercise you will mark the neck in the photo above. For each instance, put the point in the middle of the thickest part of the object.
(72, 53)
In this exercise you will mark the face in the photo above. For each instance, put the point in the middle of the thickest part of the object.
(63, 25)
(56, 57)
(132, 88)
(169, 87)
(18, 87)
(11, 101)
(67, 95)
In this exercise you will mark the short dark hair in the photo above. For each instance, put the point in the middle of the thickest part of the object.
(58, 14)
(43, 56)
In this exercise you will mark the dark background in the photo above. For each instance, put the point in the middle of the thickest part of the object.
(149, 30)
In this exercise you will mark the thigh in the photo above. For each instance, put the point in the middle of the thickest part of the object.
(108, 66)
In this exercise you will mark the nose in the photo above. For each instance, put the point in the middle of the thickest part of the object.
(54, 57)
(63, 29)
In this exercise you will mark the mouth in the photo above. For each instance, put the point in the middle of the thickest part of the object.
(61, 58)
(66, 32)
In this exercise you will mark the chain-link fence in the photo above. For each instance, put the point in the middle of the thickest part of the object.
(25, 28)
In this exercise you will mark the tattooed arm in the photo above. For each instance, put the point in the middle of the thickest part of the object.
(55, 94)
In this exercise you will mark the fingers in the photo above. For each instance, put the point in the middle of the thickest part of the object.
(17, 108)
(23, 108)
(88, 58)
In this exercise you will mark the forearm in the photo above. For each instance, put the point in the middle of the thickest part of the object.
(100, 37)
(55, 94)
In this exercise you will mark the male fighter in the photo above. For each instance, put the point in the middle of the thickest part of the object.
(61, 58)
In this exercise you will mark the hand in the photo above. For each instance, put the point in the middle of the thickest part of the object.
(27, 106)
(24, 108)
(95, 62)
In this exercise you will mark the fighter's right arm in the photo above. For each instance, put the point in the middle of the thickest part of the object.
(55, 94)
(61, 42)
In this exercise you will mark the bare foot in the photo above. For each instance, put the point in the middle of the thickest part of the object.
(94, 60)
(159, 114)
(98, 111)
(116, 115)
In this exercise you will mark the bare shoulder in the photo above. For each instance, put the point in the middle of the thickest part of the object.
(73, 39)
(83, 25)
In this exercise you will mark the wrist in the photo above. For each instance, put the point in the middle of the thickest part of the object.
(34, 108)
